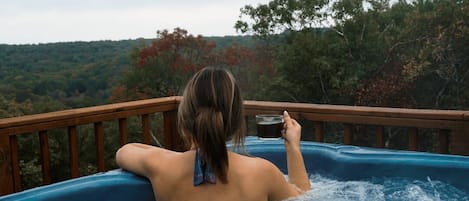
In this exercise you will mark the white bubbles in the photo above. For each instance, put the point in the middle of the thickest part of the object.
(329, 189)
(381, 189)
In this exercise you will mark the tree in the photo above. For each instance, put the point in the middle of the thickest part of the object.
(250, 66)
(281, 15)
(319, 62)
(160, 68)
(435, 53)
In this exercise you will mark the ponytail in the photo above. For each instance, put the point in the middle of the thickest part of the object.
(209, 136)
(210, 113)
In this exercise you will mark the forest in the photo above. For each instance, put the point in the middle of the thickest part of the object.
(410, 54)
(55, 76)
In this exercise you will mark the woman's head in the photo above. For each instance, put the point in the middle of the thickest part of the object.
(210, 113)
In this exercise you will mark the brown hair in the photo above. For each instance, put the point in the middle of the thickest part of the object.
(210, 113)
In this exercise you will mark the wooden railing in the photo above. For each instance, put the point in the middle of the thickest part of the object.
(452, 126)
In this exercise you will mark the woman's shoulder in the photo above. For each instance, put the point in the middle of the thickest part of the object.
(161, 156)
(255, 164)
(141, 158)
(256, 173)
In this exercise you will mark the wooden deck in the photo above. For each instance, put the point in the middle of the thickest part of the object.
(452, 127)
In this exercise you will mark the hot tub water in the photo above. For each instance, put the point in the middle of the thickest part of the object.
(381, 189)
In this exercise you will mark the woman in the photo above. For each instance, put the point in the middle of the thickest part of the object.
(209, 114)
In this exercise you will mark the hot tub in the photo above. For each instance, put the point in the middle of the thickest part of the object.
(338, 162)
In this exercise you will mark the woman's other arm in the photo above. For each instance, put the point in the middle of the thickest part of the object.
(296, 168)
(136, 157)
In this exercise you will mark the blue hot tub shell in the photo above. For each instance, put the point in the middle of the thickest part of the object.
(338, 161)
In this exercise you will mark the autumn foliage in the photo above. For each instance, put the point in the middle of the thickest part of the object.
(163, 67)
(184, 52)
(390, 91)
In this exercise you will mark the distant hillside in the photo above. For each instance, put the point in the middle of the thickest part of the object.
(64, 71)
(76, 74)
(227, 41)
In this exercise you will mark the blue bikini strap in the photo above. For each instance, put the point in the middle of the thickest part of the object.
(202, 172)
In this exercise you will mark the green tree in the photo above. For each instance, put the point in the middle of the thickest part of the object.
(435, 53)
(319, 62)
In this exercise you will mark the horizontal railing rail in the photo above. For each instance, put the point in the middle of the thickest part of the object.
(448, 122)
(452, 128)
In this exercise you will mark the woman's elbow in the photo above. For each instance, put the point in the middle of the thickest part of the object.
(121, 153)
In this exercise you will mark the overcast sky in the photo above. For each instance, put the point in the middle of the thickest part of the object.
(42, 21)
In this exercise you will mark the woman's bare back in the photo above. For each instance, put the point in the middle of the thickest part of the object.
(248, 178)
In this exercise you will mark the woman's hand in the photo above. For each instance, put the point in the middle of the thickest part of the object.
(292, 133)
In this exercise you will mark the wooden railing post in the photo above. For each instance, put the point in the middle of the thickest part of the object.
(6, 175)
(443, 136)
(146, 128)
(319, 131)
(15, 163)
(413, 139)
(348, 134)
(45, 159)
(459, 143)
(123, 131)
(73, 151)
(379, 136)
(99, 140)
(171, 135)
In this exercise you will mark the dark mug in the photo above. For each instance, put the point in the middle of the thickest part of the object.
(269, 125)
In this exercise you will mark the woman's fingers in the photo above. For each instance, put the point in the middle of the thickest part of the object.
(285, 114)
(286, 118)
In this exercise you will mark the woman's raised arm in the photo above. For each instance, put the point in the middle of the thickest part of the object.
(296, 167)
